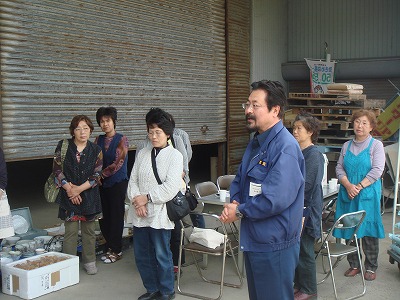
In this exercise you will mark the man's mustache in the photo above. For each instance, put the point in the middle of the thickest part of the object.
(251, 117)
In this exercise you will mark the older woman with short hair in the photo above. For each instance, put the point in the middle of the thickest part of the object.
(359, 170)
(78, 176)
(152, 227)
(306, 131)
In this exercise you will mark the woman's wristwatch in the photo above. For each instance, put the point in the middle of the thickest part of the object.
(149, 198)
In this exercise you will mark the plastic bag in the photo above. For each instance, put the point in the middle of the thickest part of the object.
(209, 238)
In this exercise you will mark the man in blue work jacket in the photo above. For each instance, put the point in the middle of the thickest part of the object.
(268, 196)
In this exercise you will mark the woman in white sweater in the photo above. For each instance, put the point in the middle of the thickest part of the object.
(152, 227)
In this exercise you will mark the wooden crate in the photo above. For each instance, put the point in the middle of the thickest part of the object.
(333, 110)
(316, 97)
(333, 140)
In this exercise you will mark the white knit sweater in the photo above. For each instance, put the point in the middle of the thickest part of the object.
(169, 163)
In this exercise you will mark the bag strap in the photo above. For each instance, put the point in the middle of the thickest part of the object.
(153, 164)
(172, 141)
(64, 148)
(171, 138)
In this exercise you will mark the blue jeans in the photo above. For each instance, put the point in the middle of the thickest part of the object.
(153, 259)
(270, 274)
(198, 221)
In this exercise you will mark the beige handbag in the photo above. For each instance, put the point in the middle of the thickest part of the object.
(51, 190)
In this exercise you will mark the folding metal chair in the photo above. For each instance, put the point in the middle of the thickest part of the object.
(224, 181)
(327, 221)
(352, 222)
(221, 251)
(205, 188)
(328, 212)
(208, 188)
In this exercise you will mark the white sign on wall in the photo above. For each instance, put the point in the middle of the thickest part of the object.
(321, 74)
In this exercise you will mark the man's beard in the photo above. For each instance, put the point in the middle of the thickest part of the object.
(250, 129)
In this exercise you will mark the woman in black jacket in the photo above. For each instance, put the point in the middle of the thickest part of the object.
(78, 173)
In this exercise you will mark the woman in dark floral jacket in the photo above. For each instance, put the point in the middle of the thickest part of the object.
(78, 176)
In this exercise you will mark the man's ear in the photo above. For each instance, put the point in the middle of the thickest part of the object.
(276, 110)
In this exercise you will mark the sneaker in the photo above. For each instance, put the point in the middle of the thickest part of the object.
(90, 268)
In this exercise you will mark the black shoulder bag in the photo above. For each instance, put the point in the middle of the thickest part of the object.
(178, 207)
(190, 197)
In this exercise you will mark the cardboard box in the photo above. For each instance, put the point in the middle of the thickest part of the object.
(29, 284)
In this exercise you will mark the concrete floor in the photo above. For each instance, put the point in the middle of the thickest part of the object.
(122, 280)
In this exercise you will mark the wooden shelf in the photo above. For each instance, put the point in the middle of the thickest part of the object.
(319, 97)
(335, 107)
(333, 110)
(333, 140)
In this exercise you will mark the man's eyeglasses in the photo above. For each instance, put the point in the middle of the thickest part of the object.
(84, 129)
(252, 106)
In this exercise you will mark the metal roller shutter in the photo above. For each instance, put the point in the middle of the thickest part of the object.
(63, 58)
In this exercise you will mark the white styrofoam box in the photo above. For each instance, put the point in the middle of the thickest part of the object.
(29, 284)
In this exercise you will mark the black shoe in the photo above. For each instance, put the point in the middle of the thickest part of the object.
(166, 297)
(150, 296)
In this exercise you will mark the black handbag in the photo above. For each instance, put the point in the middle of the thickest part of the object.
(178, 207)
(191, 199)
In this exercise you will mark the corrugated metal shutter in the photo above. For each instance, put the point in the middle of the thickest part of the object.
(238, 60)
(62, 58)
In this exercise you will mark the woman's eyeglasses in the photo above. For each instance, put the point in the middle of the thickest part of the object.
(360, 123)
(84, 129)
(158, 133)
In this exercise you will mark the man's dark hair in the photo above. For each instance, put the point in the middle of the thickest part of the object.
(107, 112)
(276, 95)
(161, 118)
